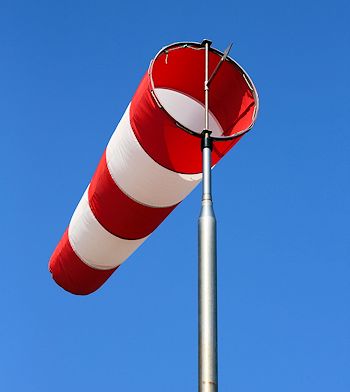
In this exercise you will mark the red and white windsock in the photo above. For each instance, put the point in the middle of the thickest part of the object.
(152, 161)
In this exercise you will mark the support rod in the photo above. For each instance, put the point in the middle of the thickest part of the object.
(207, 290)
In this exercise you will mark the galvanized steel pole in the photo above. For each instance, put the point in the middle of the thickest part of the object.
(207, 290)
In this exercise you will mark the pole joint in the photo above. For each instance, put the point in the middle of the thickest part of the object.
(207, 141)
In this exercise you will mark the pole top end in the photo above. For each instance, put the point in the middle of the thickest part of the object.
(206, 41)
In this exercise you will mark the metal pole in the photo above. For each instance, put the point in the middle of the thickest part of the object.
(207, 302)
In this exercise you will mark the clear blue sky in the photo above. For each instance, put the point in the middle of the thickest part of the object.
(67, 71)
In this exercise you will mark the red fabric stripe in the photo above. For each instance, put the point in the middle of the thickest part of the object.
(116, 212)
(164, 142)
(71, 273)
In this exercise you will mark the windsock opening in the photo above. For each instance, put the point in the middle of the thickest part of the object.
(177, 75)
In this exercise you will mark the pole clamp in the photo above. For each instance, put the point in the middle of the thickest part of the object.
(207, 141)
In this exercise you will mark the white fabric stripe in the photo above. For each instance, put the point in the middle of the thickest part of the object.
(139, 176)
(94, 245)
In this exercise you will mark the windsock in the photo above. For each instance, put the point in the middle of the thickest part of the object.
(152, 161)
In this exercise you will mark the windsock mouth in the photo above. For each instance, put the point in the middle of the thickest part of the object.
(177, 85)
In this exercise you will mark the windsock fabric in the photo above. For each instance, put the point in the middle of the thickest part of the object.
(152, 161)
